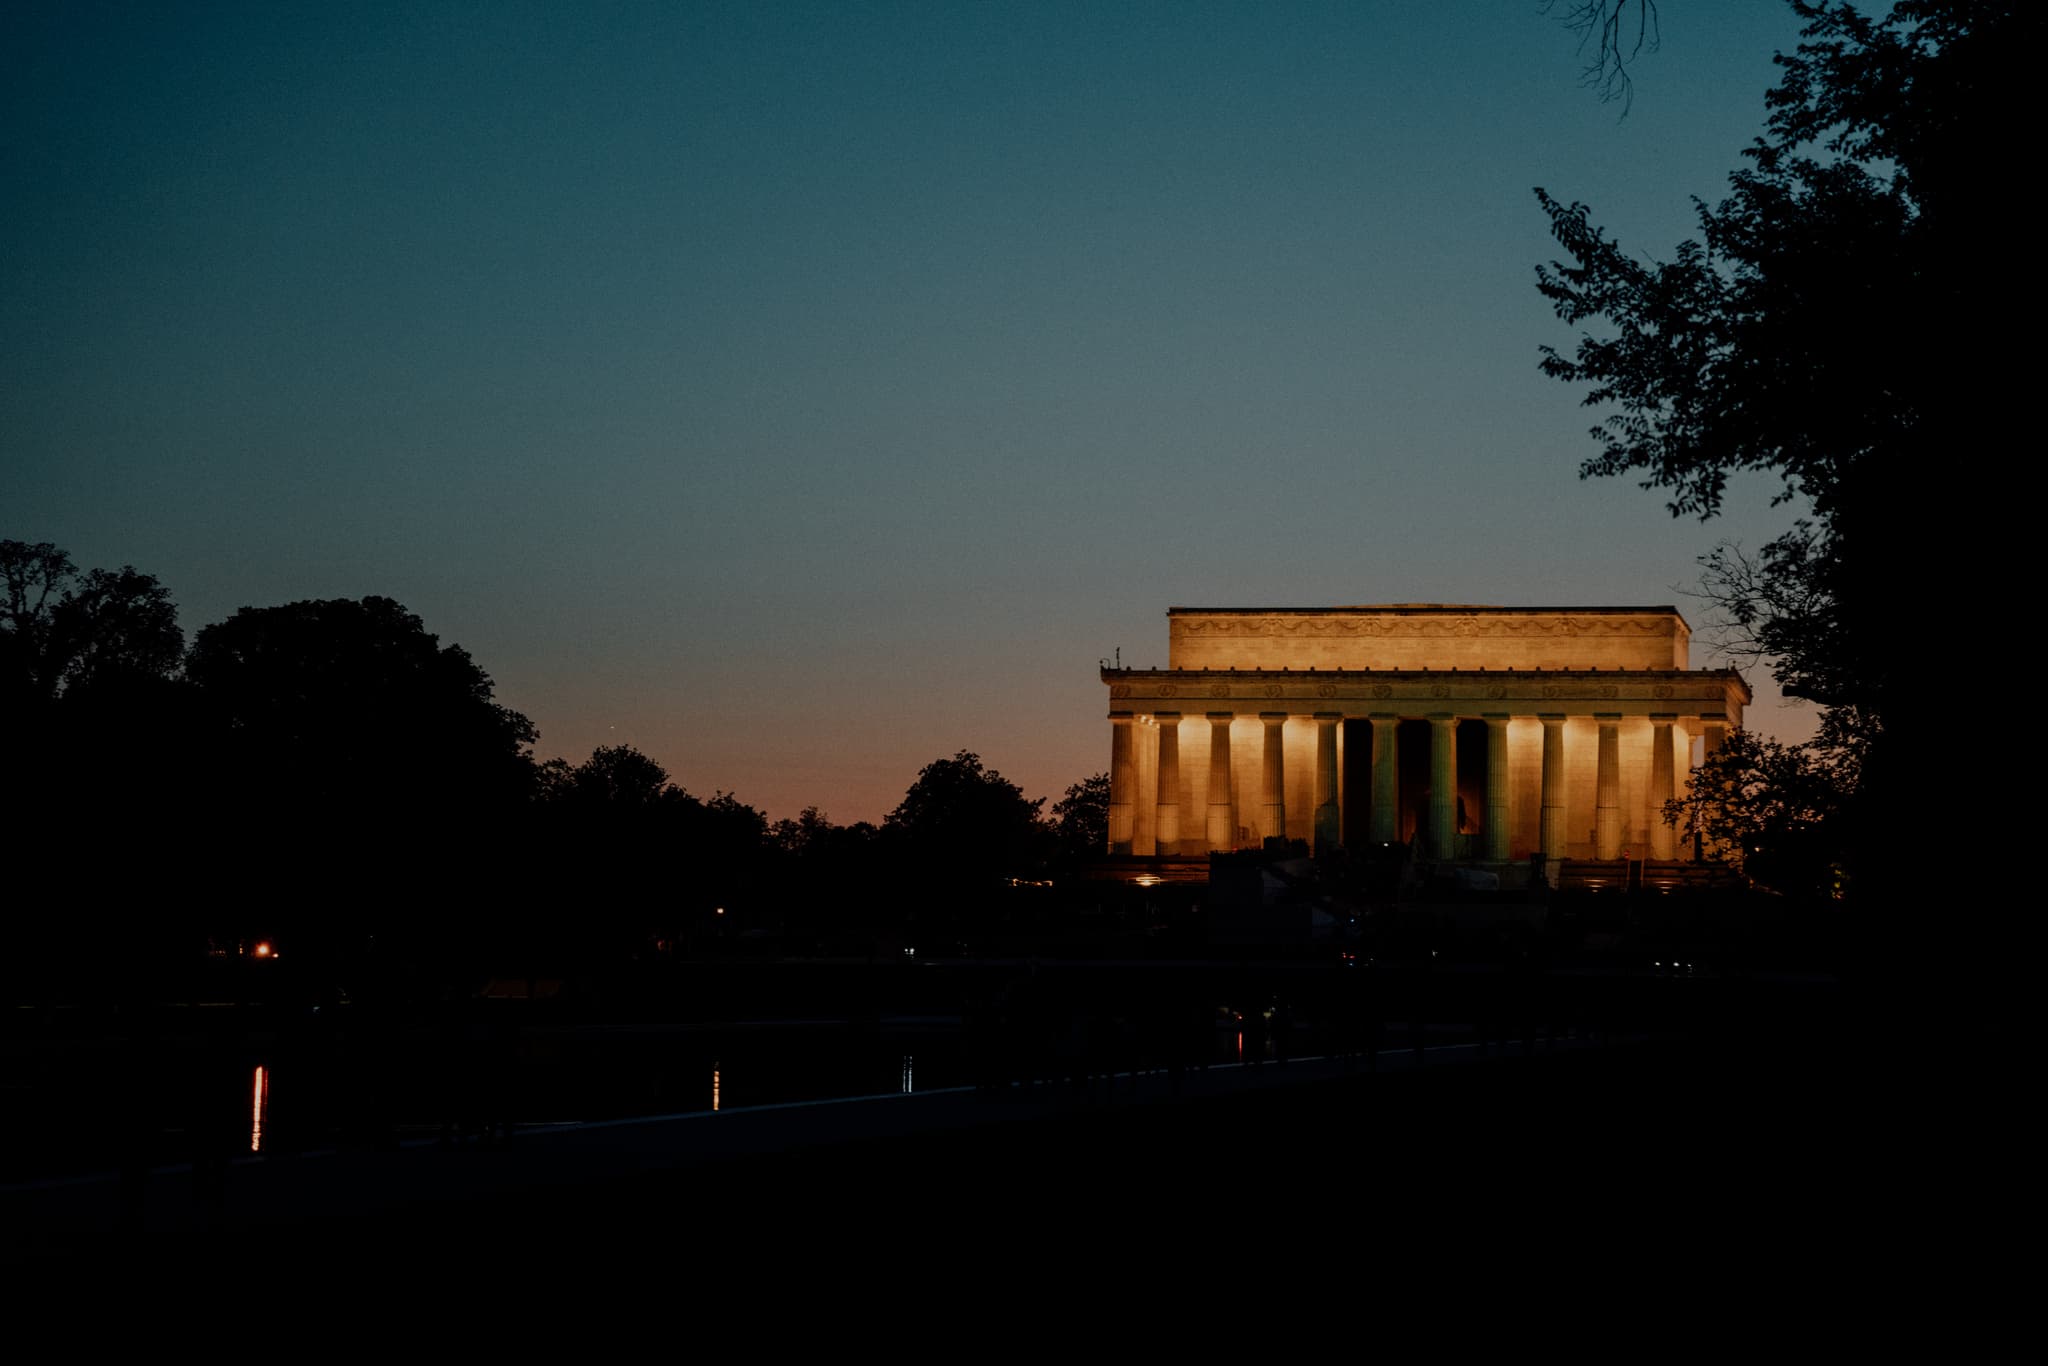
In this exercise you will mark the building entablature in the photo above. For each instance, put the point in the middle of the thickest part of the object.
(1689, 693)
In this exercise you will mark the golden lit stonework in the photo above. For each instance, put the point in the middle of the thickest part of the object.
(1485, 734)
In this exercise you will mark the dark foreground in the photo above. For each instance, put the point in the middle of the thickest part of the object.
(1717, 1158)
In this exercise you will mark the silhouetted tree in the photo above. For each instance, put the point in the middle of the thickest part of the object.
(613, 777)
(828, 876)
(354, 707)
(362, 778)
(96, 753)
(1080, 820)
(62, 629)
(963, 828)
(1838, 324)
(728, 846)
(1612, 34)
(631, 859)
(1772, 810)
(808, 832)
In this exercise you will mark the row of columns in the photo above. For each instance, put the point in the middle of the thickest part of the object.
(1443, 764)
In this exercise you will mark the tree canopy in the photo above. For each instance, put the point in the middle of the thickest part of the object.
(1772, 810)
(97, 749)
(329, 770)
(614, 777)
(61, 629)
(1838, 324)
(967, 821)
(354, 703)
(1080, 820)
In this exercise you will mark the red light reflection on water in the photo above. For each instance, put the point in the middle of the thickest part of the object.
(259, 1104)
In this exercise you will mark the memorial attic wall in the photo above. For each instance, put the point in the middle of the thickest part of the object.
(1427, 637)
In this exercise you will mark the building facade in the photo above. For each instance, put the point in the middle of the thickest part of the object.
(1488, 734)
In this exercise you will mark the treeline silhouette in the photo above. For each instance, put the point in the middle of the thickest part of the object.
(329, 777)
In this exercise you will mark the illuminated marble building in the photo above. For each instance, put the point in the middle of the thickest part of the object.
(1489, 734)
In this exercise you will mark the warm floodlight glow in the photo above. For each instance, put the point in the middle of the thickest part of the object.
(263, 949)
(260, 1102)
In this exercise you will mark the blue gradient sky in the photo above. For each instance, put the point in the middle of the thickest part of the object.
(803, 393)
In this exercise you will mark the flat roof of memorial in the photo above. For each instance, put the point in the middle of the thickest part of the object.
(1425, 608)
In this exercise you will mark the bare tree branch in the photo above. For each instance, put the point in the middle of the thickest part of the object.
(1604, 29)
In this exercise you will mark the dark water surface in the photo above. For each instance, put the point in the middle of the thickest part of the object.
(228, 1084)
(86, 1090)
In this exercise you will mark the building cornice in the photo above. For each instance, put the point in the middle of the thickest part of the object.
(1425, 619)
(1427, 608)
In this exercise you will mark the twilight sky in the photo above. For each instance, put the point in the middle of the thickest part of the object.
(802, 393)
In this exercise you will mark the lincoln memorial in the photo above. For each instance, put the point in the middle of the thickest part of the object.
(1485, 734)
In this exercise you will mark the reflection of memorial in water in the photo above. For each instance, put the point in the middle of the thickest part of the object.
(259, 1106)
(606, 1077)
(613, 1076)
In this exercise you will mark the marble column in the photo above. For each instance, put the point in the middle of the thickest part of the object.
(1273, 779)
(1607, 792)
(1661, 787)
(1166, 816)
(1386, 780)
(1222, 829)
(1443, 787)
(1327, 833)
(1123, 777)
(1497, 789)
(1551, 830)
